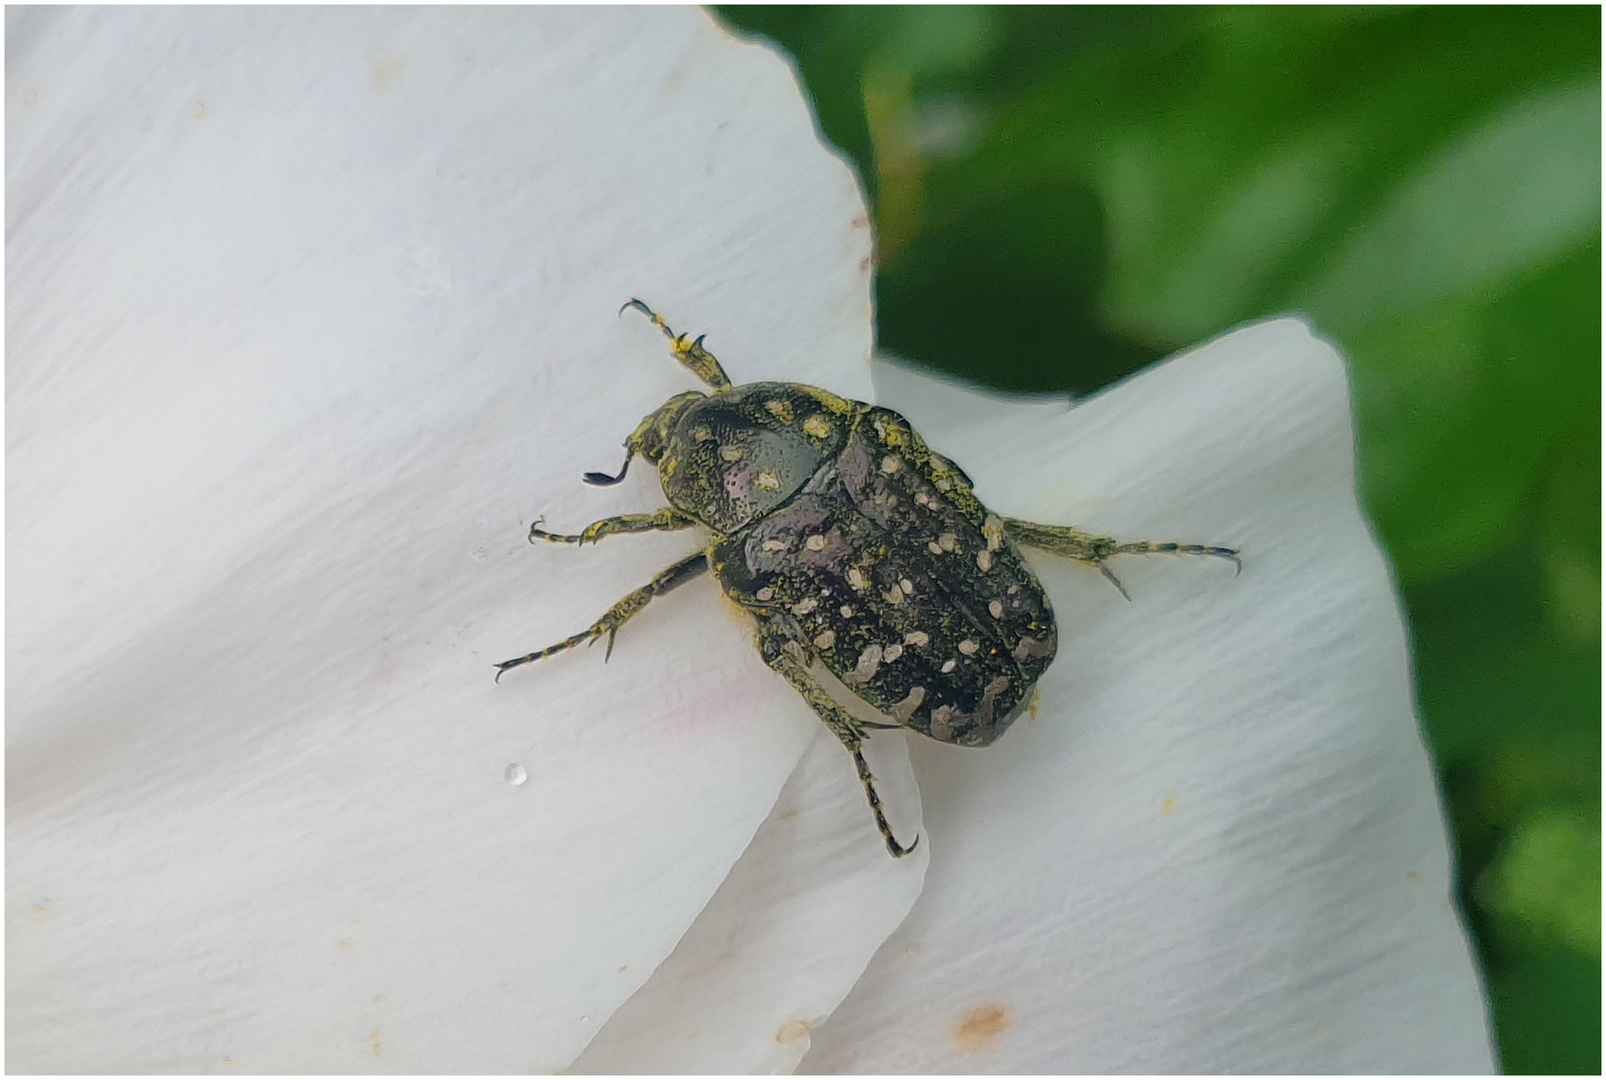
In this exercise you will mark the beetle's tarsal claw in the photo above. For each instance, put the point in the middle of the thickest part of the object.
(898, 850)
(602, 479)
(638, 305)
(1109, 575)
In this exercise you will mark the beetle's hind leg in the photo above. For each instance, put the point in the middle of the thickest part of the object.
(785, 657)
(696, 359)
(619, 614)
(666, 520)
(1096, 550)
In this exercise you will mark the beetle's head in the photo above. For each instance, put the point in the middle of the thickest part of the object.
(651, 435)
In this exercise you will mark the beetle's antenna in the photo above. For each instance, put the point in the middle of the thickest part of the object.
(691, 354)
(602, 479)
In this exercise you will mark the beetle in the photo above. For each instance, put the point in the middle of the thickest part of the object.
(856, 549)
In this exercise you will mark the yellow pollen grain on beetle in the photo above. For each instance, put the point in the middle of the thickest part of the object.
(818, 426)
(782, 410)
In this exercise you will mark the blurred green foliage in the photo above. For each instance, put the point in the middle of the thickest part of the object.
(1094, 188)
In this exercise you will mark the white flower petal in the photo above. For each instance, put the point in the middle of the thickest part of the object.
(786, 935)
(311, 310)
(1219, 847)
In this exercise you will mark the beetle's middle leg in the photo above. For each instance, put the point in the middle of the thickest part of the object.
(666, 520)
(785, 657)
(620, 613)
(1095, 550)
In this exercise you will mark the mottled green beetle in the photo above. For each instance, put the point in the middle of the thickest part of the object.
(856, 548)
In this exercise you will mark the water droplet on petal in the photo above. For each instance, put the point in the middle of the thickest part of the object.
(516, 774)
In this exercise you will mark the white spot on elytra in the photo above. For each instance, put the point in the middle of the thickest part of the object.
(825, 639)
(731, 453)
(934, 547)
(766, 593)
(947, 541)
(904, 709)
(855, 578)
(804, 606)
(949, 665)
(815, 542)
(847, 611)
(993, 530)
(968, 647)
(767, 480)
(892, 653)
(774, 545)
(917, 637)
(908, 589)
(891, 464)
(865, 669)
(984, 560)
(894, 595)
(996, 608)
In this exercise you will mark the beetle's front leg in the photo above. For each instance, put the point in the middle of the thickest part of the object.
(787, 658)
(666, 520)
(696, 359)
(620, 613)
(1095, 550)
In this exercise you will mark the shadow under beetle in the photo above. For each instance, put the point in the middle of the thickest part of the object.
(855, 547)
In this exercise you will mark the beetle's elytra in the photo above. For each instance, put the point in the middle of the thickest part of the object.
(856, 548)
